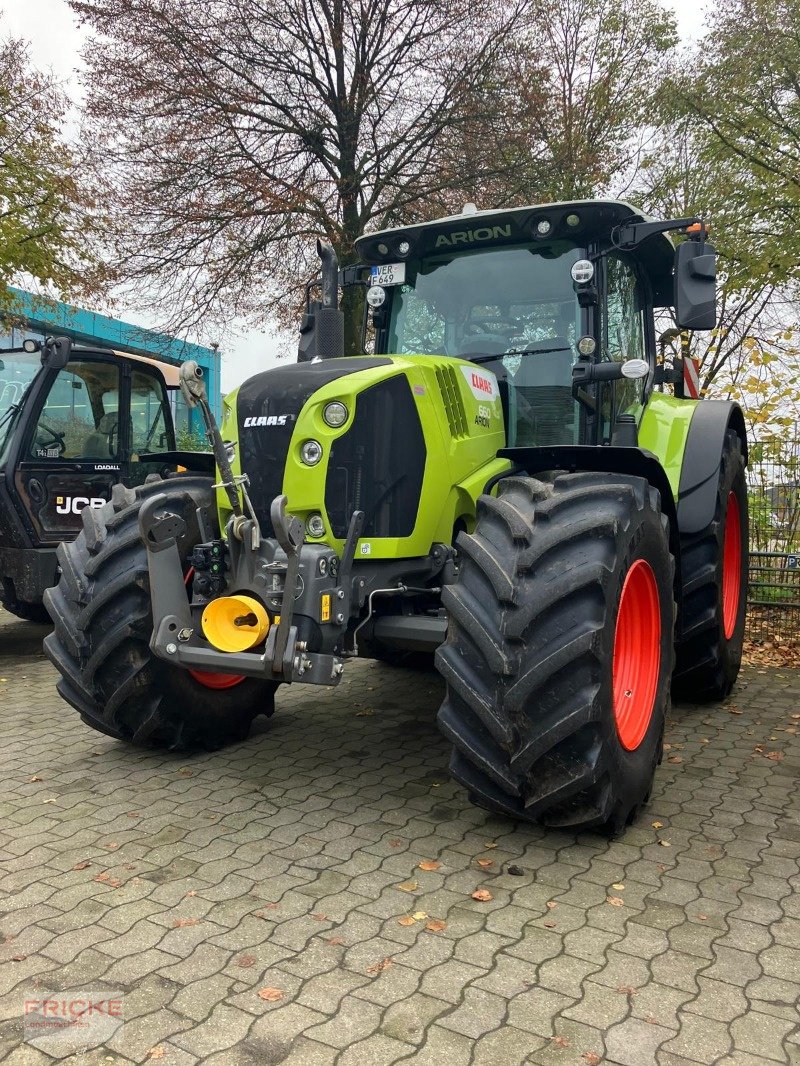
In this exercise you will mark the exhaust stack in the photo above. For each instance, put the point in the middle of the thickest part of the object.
(322, 326)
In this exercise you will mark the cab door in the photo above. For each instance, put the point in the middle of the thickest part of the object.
(72, 450)
(150, 423)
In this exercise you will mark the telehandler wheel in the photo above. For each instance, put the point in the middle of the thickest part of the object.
(560, 650)
(103, 622)
(714, 572)
(30, 612)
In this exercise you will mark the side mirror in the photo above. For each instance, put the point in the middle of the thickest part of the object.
(695, 285)
(56, 352)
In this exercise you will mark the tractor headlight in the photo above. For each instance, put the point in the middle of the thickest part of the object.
(335, 414)
(311, 452)
(315, 527)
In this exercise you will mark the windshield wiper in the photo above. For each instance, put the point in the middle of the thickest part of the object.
(517, 351)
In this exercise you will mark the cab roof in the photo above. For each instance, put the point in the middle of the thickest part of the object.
(474, 230)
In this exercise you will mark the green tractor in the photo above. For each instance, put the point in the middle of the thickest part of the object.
(504, 482)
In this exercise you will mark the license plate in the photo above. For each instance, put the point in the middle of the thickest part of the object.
(388, 274)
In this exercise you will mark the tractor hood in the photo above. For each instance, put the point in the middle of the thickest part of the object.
(267, 408)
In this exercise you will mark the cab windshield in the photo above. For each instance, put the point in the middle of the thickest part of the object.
(515, 311)
(17, 371)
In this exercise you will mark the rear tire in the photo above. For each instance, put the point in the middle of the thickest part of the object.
(712, 623)
(103, 622)
(529, 657)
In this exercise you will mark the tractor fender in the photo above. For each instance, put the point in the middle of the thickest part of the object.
(607, 459)
(697, 490)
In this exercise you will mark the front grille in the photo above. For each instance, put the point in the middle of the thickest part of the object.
(378, 465)
(280, 395)
(453, 403)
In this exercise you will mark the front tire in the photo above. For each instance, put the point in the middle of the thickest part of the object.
(103, 622)
(544, 726)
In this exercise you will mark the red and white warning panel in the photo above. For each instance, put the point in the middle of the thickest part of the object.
(691, 378)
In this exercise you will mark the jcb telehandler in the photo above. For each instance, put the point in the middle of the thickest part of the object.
(504, 480)
(73, 422)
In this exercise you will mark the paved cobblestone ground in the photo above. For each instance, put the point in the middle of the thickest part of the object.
(288, 862)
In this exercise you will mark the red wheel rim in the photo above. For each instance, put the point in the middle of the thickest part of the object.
(214, 680)
(210, 678)
(731, 566)
(637, 655)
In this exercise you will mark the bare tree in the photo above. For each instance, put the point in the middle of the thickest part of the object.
(228, 133)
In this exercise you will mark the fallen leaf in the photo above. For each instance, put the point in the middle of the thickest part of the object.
(133, 814)
(18, 958)
(128, 866)
(657, 825)
(379, 967)
(271, 995)
(485, 863)
(667, 747)
(734, 710)
(408, 886)
(102, 877)
(112, 845)
(618, 885)
(482, 895)
(550, 925)
(364, 714)
(181, 923)
(245, 961)
(34, 778)
(395, 843)
(186, 772)
(82, 865)
(560, 1041)
(429, 864)
(406, 920)
(626, 990)
(435, 925)
(419, 916)
(157, 1052)
(615, 901)
(675, 758)
(774, 756)
(551, 903)
(191, 892)
(489, 844)
(665, 844)
(320, 917)
(702, 917)
(591, 1057)
(335, 941)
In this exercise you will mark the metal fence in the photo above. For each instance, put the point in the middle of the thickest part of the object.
(773, 479)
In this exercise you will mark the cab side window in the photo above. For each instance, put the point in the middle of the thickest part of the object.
(149, 425)
(624, 330)
(79, 418)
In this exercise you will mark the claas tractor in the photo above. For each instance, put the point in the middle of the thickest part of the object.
(74, 421)
(512, 480)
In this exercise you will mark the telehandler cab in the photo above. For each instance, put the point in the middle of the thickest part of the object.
(74, 421)
(504, 481)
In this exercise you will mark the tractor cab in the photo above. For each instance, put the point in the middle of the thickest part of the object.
(556, 302)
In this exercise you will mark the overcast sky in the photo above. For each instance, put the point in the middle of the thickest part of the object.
(56, 38)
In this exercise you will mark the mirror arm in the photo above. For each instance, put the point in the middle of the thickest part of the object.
(633, 233)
